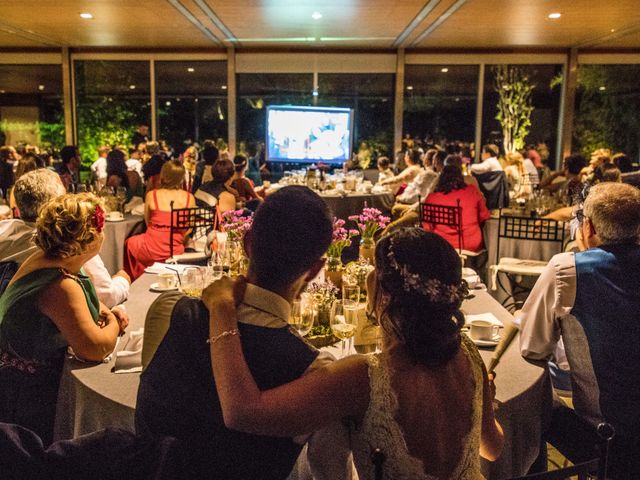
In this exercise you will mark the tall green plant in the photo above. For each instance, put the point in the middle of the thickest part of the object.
(514, 88)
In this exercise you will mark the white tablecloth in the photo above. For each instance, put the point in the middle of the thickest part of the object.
(115, 233)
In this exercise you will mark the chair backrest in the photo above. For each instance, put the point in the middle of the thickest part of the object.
(445, 215)
(200, 220)
(527, 228)
(495, 188)
(581, 470)
(7, 271)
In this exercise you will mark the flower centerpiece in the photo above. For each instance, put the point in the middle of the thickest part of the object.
(236, 223)
(323, 294)
(341, 239)
(369, 222)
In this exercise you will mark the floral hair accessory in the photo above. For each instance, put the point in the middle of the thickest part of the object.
(432, 288)
(98, 218)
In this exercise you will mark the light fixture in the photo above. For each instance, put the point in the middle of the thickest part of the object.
(457, 99)
(191, 69)
(613, 30)
(2, 91)
(316, 15)
(41, 87)
(86, 16)
(132, 87)
(315, 93)
(409, 87)
(555, 15)
(444, 70)
(167, 103)
(223, 87)
(602, 88)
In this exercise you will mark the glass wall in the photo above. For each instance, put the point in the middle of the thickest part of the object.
(440, 104)
(112, 98)
(191, 102)
(606, 109)
(31, 105)
(547, 91)
(372, 98)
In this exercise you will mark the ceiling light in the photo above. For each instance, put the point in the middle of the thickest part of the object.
(86, 15)
(316, 15)
(191, 69)
(40, 87)
(223, 87)
(555, 15)
(132, 87)
(602, 88)
(409, 87)
(613, 30)
(2, 91)
(167, 103)
(444, 70)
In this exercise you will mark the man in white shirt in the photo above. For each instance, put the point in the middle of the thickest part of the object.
(134, 164)
(490, 162)
(99, 167)
(16, 235)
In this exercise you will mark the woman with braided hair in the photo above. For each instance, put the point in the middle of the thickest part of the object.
(425, 401)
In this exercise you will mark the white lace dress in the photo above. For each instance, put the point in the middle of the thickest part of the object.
(379, 429)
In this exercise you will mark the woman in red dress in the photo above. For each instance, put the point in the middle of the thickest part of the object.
(152, 246)
(450, 189)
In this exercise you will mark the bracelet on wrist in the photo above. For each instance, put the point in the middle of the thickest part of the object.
(226, 333)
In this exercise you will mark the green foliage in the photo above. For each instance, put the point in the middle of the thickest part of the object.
(47, 134)
(515, 106)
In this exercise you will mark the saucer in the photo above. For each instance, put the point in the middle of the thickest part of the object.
(486, 343)
(155, 287)
(114, 219)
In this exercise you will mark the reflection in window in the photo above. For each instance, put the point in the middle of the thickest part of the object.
(112, 98)
(440, 103)
(371, 97)
(606, 111)
(546, 109)
(31, 105)
(191, 102)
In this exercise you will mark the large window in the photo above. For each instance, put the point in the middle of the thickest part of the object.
(112, 98)
(31, 105)
(191, 101)
(607, 109)
(546, 94)
(371, 97)
(440, 103)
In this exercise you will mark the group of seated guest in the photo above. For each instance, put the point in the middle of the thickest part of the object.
(413, 161)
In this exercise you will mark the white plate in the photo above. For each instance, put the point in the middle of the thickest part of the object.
(155, 287)
(114, 220)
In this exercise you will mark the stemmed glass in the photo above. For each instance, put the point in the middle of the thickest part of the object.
(344, 320)
(302, 316)
(193, 282)
(121, 195)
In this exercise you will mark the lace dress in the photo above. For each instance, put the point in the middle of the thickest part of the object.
(380, 429)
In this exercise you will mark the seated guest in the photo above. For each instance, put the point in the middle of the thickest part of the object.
(242, 184)
(134, 163)
(219, 192)
(7, 179)
(32, 191)
(607, 172)
(407, 401)
(623, 162)
(152, 246)
(384, 169)
(591, 299)
(99, 167)
(568, 178)
(118, 175)
(190, 159)
(520, 180)
(203, 168)
(49, 305)
(451, 190)
(490, 162)
(598, 157)
(151, 170)
(177, 395)
(69, 169)
(413, 160)
(28, 163)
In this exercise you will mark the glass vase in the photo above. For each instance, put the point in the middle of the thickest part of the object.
(368, 249)
(333, 270)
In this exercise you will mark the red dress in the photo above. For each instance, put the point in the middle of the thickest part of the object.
(474, 214)
(141, 251)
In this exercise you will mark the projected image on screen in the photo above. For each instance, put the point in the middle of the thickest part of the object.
(308, 134)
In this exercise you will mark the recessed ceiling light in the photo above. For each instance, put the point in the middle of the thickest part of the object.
(224, 87)
(409, 87)
(167, 103)
(444, 70)
(316, 15)
(40, 87)
(86, 15)
(602, 88)
(132, 87)
(191, 69)
(555, 15)
(613, 30)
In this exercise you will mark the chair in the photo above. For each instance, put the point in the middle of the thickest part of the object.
(200, 221)
(522, 228)
(495, 188)
(7, 271)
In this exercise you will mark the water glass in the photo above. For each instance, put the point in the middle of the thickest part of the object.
(193, 279)
(350, 291)
(344, 320)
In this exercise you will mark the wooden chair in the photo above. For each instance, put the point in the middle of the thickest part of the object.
(199, 221)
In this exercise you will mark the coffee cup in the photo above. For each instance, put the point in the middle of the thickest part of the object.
(483, 330)
(167, 280)
(114, 215)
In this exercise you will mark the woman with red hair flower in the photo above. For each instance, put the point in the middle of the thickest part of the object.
(49, 305)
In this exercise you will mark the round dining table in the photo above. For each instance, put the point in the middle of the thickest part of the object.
(115, 234)
(343, 205)
(92, 397)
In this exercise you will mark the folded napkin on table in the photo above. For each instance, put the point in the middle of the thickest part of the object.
(158, 267)
(129, 359)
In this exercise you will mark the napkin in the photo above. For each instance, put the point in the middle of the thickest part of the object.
(129, 359)
(158, 267)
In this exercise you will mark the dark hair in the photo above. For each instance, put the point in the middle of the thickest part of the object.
(453, 160)
(239, 162)
(116, 165)
(575, 163)
(222, 171)
(5, 153)
(210, 153)
(607, 172)
(429, 330)
(383, 162)
(415, 155)
(278, 259)
(438, 158)
(28, 163)
(623, 162)
(68, 152)
(491, 149)
(429, 156)
(450, 179)
(153, 166)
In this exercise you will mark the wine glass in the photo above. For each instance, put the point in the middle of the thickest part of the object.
(344, 319)
(193, 282)
(121, 195)
(301, 318)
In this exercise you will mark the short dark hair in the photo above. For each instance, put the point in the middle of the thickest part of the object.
(383, 162)
(623, 162)
(607, 172)
(575, 163)
(210, 153)
(239, 162)
(415, 154)
(291, 230)
(68, 152)
(491, 149)
(439, 157)
(222, 171)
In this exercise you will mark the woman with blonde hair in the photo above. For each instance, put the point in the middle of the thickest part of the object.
(49, 305)
(517, 175)
(154, 245)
